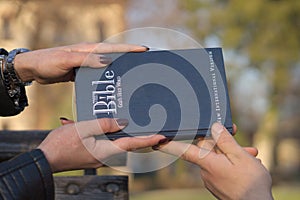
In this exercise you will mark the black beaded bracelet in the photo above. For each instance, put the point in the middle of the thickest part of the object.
(14, 86)
(10, 65)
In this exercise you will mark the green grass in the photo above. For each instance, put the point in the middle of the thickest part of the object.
(70, 173)
(287, 192)
(174, 194)
(279, 192)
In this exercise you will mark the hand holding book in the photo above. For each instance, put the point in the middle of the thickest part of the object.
(227, 170)
(55, 65)
(83, 150)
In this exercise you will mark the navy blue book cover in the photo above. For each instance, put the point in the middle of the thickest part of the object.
(177, 93)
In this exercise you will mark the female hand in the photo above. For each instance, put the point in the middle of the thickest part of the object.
(56, 64)
(73, 145)
(228, 170)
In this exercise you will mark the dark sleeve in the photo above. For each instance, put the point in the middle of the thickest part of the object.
(27, 176)
(7, 107)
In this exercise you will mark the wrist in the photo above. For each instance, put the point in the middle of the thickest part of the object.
(270, 196)
(48, 157)
(262, 193)
(24, 71)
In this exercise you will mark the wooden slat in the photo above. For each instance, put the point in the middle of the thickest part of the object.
(91, 187)
(13, 143)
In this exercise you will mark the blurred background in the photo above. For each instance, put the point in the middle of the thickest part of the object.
(261, 43)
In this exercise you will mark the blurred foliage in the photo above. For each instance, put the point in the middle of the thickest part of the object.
(282, 192)
(266, 31)
(171, 194)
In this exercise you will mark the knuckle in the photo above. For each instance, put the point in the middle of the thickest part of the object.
(186, 156)
(126, 144)
(224, 140)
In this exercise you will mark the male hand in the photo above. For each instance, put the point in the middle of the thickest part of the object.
(228, 170)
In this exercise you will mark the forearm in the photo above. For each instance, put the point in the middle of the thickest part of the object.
(27, 176)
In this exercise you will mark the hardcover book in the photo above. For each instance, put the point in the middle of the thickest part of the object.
(177, 93)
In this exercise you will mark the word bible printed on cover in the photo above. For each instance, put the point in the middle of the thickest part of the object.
(176, 93)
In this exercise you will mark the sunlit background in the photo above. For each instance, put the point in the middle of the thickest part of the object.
(261, 43)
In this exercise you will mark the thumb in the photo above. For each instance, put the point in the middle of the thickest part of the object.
(65, 121)
(100, 126)
(224, 140)
(251, 150)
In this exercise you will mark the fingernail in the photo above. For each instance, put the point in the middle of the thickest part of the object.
(122, 122)
(105, 60)
(64, 119)
(147, 48)
(217, 129)
(155, 147)
(163, 141)
(160, 142)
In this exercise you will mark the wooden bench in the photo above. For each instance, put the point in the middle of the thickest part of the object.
(90, 186)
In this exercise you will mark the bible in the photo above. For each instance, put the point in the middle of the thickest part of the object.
(176, 93)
